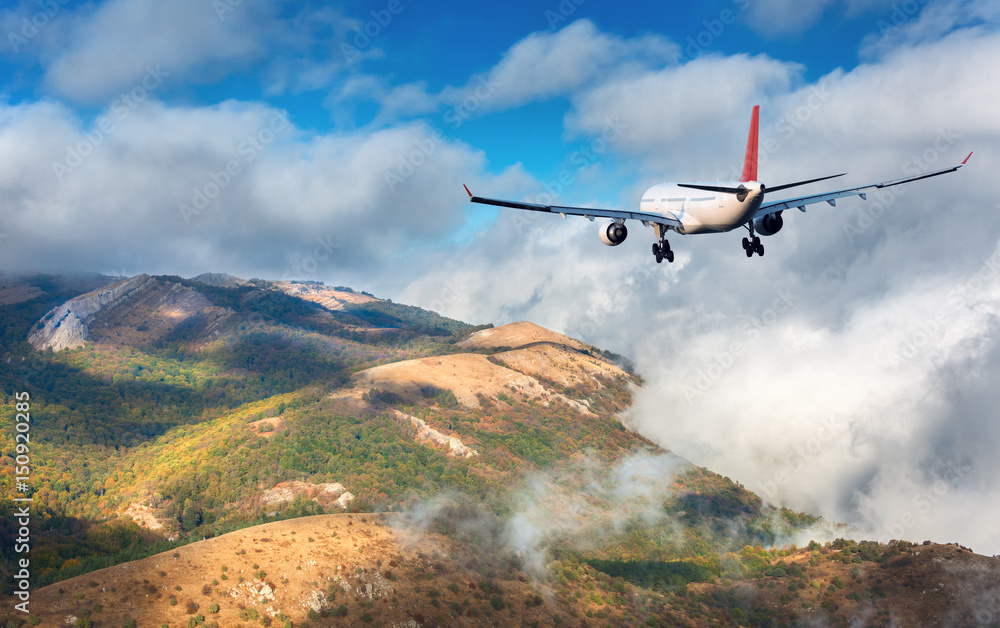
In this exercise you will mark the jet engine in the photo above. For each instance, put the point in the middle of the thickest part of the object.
(769, 224)
(614, 233)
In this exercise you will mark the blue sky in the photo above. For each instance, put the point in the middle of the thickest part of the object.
(160, 137)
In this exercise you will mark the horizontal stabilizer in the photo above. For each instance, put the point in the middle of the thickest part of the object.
(798, 183)
(713, 188)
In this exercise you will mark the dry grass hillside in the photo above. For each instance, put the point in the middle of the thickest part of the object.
(327, 570)
(518, 334)
(540, 365)
(366, 569)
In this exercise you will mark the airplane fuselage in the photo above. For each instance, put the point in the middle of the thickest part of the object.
(702, 211)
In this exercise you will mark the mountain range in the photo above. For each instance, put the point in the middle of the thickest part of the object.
(231, 451)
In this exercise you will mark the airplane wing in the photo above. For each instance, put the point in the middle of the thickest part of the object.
(831, 197)
(586, 212)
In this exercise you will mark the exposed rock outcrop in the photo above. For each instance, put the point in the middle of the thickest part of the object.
(326, 494)
(345, 499)
(144, 515)
(65, 326)
(456, 448)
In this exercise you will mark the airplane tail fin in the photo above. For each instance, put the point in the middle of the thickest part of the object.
(750, 160)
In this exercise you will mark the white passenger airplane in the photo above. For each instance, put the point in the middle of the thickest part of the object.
(709, 207)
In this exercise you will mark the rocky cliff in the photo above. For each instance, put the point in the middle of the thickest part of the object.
(65, 326)
(136, 311)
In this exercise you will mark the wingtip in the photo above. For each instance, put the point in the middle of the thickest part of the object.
(967, 158)
(467, 190)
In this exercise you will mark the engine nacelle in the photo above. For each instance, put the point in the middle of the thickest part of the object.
(614, 233)
(768, 225)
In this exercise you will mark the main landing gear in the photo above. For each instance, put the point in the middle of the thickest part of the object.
(661, 251)
(752, 244)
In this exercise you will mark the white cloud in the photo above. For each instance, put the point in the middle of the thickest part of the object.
(777, 18)
(910, 23)
(110, 49)
(665, 110)
(368, 197)
(400, 102)
(93, 52)
(313, 49)
(788, 18)
(542, 66)
(545, 64)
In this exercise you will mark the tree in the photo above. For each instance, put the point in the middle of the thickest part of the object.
(191, 516)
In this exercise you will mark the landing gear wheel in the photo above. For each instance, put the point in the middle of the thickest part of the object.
(661, 251)
(746, 244)
(749, 252)
(760, 249)
(756, 241)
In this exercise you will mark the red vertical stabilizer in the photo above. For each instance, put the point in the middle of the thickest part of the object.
(750, 160)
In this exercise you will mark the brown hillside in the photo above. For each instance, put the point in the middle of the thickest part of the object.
(296, 567)
(17, 292)
(518, 334)
(554, 364)
(154, 312)
(465, 374)
(542, 367)
(369, 569)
